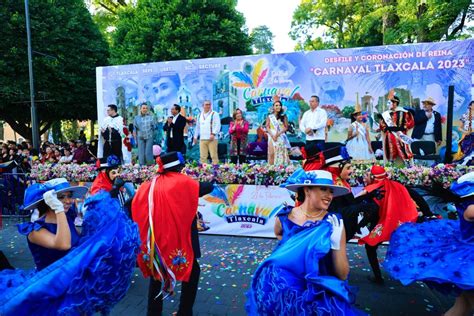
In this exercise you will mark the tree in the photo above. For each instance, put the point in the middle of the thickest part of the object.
(341, 23)
(106, 15)
(430, 21)
(67, 47)
(355, 23)
(158, 30)
(262, 40)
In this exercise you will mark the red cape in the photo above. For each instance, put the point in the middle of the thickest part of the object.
(175, 200)
(102, 182)
(395, 208)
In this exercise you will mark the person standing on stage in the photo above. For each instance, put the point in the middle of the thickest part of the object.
(313, 123)
(395, 124)
(144, 126)
(238, 130)
(207, 129)
(428, 123)
(111, 130)
(174, 128)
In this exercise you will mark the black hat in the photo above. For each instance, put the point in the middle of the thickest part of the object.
(170, 160)
(335, 155)
(312, 150)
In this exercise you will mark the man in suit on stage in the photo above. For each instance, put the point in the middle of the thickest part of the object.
(427, 123)
(174, 129)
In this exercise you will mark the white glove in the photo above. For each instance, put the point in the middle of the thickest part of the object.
(337, 227)
(364, 231)
(51, 199)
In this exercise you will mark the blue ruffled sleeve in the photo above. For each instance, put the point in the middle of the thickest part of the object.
(26, 228)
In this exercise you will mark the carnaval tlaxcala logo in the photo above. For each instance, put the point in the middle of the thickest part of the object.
(225, 205)
(251, 79)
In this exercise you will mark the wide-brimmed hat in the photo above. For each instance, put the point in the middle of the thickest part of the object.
(429, 100)
(464, 186)
(34, 193)
(357, 109)
(112, 162)
(335, 155)
(313, 178)
(169, 161)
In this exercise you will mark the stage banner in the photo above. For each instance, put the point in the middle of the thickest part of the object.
(341, 78)
(242, 210)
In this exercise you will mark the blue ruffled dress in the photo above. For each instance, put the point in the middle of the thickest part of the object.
(297, 278)
(440, 253)
(92, 277)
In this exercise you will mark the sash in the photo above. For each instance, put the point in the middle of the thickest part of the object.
(283, 138)
(399, 135)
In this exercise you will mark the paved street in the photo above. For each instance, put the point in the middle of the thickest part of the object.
(226, 269)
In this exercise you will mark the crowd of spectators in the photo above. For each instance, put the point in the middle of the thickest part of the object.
(23, 153)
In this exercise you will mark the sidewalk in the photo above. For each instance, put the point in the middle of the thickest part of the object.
(226, 269)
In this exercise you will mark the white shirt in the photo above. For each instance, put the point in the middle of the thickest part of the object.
(208, 123)
(316, 120)
(174, 122)
(430, 124)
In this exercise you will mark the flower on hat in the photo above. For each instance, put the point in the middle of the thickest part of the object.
(113, 160)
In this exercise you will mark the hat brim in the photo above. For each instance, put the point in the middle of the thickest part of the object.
(103, 167)
(337, 189)
(467, 195)
(77, 192)
(429, 102)
(395, 100)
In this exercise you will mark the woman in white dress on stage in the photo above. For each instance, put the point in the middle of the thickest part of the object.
(358, 138)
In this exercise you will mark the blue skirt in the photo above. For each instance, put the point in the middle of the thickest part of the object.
(91, 278)
(432, 252)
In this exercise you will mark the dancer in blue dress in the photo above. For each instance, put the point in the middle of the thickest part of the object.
(75, 274)
(306, 273)
(441, 252)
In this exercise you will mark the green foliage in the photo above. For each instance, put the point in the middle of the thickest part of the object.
(70, 47)
(70, 130)
(262, 40)
(56, 132)
(159, 30)
(340, 24)
(327, 24)
(347, 111)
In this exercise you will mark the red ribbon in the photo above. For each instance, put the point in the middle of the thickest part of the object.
(161, 168)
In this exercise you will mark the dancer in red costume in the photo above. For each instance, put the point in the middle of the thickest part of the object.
(395, 208)
(108, 172)
(313, 159)
(165, 210)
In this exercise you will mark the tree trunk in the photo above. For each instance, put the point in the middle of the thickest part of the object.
(390, 19)
(421, 31)
(24, 128)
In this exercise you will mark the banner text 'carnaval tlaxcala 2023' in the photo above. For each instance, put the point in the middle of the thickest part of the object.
(340, 77)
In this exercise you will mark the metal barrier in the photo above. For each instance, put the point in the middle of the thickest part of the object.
(12, 191)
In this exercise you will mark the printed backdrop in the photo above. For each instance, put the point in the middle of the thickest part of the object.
(242, 210)
(341, 78)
